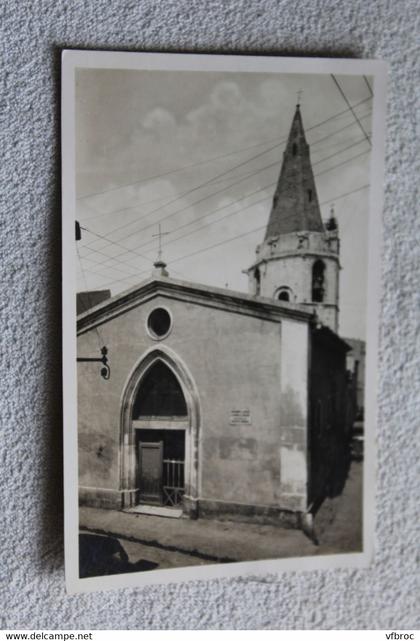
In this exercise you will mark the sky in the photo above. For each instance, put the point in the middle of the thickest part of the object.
(200, 153)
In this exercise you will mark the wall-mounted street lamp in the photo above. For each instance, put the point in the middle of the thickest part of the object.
(105, 370)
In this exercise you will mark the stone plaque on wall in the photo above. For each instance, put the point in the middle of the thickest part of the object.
(240, 417)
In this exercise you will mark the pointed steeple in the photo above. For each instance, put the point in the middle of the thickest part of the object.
(295, 204)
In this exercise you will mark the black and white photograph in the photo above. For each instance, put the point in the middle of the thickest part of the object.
(221, 225)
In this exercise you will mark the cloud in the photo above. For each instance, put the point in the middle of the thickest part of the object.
(223, 119)
(159, 119)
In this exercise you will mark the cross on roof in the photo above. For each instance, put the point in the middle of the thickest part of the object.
(159, 236)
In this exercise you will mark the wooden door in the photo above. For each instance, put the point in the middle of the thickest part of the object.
(150, 457)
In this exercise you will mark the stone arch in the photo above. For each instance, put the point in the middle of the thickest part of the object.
(128, 480)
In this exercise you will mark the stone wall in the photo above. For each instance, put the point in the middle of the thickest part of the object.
(239, 364)
(287, 261)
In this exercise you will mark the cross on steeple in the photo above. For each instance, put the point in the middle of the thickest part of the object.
(299, 96)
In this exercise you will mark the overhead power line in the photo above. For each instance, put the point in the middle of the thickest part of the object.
(319, 124)
(363, 153)
(101, 342)
(175, 170)
(236, 180)
(113, 242)
(272, 184)
(214, 180)
(337, 131)
(107, 256)
(112, 267)
(224, 179)
(240, 199)
(223, 242)
(198, 219)
(100, 214)
(334, 199)
(368, 85)
(196, 202)
(205, 249)
(235, 213)
(108, 283)
(350, 107)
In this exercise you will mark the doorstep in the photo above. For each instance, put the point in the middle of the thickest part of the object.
(156, 510)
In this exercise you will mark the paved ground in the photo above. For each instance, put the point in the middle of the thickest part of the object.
(112, 541)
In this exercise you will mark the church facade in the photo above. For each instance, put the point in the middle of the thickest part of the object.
(221, 403)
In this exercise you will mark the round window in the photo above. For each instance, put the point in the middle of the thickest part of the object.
(159, 322)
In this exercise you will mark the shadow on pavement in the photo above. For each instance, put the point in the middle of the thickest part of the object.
(104, 555)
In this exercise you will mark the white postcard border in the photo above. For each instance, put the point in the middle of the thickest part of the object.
(72, 59)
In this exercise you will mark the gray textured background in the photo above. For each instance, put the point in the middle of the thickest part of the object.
(31, 564)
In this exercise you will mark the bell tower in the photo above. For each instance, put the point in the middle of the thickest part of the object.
(298, 261)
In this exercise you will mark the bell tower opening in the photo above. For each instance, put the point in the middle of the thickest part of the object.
(318, 284)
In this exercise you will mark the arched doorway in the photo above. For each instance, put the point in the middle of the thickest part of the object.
(159, 434)
(160, 418)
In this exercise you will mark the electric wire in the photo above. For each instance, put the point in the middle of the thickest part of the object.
(196, 202)
(224, 179)
(180, 258)
(368, 85)
(132, 251)
(101, 342)
(350, 107)
(337, 115)
(312, 144)
(218, 209)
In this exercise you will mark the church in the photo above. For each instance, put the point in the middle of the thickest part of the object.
(216, 403)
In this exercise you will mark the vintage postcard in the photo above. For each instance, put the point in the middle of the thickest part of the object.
(221, 242)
